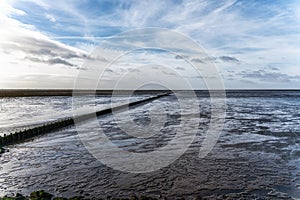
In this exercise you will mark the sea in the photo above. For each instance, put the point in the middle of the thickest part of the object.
(254, 154)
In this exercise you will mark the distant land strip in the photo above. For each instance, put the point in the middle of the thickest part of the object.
(85, 92)
(31, 132)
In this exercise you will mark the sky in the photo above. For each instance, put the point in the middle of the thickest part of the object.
(253, 44)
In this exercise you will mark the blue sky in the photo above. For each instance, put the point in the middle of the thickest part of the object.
(253, 43)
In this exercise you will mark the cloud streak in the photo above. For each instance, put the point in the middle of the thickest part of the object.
(52, 61)
(229, 59)
(266, 76)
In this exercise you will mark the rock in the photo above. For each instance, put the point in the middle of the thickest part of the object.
(7, 198)
(19, 197)
(40, 195)
(147, 198)
(134, 198)
(198, 198)
(59, 198)
(1, 150)
(77, 198)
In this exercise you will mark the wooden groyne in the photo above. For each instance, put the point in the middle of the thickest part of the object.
(31, 132)
(65, 92)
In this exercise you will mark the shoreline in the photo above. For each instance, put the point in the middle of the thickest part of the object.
(6, 93)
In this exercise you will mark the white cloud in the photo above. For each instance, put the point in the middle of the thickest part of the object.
(268, 36)
(51, 18)
(6, 10)
(26, 52)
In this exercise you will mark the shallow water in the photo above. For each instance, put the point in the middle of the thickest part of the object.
(20, 112)
(257, 153)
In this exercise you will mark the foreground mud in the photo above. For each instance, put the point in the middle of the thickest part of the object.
(257, 156)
